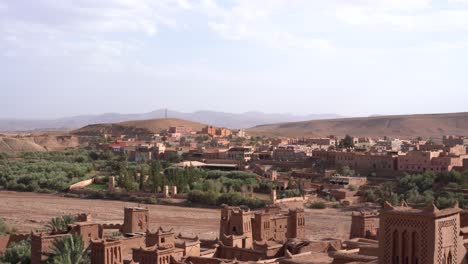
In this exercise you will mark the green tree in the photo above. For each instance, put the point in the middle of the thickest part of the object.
(156, 178)
(18, 253)
(346, 171)
(347, 142)
(141, 185)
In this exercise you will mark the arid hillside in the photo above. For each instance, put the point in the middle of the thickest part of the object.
(404, 126)
(14, 145)
(150, 126)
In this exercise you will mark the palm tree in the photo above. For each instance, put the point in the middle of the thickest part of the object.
(59, 225)
(68, 250)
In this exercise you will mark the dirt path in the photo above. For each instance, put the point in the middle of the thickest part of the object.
(29, 211)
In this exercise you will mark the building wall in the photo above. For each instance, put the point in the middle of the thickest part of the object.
(41, 245)
(106, 252)
(451, 140)
(88, 232)
(236, 222)
(132, 242)
(410, 236)
(180, 130)
(296, 224)
(421, 161)
(192, 250)
(364, 225)
(135, 220)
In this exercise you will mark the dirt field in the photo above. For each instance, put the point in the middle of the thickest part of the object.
(30, 211)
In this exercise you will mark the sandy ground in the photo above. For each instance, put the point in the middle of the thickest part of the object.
(30, 211)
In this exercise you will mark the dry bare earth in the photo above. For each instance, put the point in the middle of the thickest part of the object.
(30, 211)
(14, 145)
(150, 126)
(404, 126)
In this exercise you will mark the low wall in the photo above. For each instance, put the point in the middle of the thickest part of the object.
(7, 240)
(291, 200)
(285, 164)
(81, 184)
(348, 256)
(241, 254)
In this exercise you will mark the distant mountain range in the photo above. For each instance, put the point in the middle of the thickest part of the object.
(220, 119)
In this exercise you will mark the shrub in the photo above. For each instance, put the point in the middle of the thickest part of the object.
(151, 200)
(5, 229)
(208, 198)
(139, 199)
(95, 195)
(453, 185)
(318, 205)
(237, 199)
(116, 196)
(18, 253)
(338, 206)
(291, 193)
(71, 195)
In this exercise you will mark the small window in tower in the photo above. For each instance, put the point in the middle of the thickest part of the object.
(163, 240)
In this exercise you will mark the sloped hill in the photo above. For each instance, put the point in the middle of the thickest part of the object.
(404, 126)
(52, 142)
(136, 127)
(14, 145)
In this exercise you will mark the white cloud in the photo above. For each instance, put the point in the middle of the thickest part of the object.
(255, 21)
(83, 32)
(407, 15)
(401, 5)
(456, 2)
(115, 30)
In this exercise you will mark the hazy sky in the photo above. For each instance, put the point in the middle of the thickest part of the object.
(350, 57)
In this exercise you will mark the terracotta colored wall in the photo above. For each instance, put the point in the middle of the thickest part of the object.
(238, 253)
(7, 240)
(132, 242)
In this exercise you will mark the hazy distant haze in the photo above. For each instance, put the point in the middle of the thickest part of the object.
(220, 119)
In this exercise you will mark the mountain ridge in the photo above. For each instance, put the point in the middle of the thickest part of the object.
(220, 119)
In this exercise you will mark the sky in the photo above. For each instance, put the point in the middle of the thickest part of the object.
(349, 57)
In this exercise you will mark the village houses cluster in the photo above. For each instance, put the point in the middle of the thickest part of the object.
(221, 148)
(327, 166)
